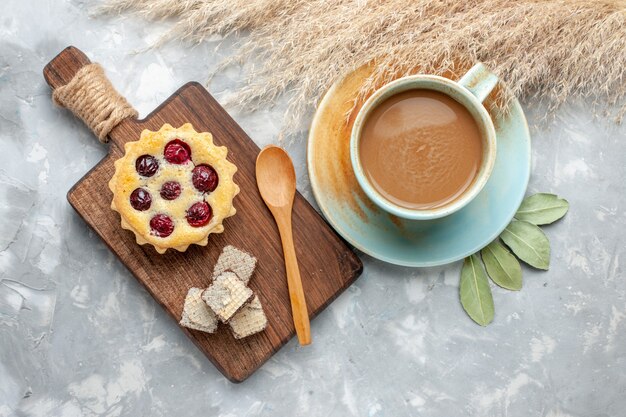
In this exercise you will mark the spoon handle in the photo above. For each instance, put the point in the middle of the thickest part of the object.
(296, 292)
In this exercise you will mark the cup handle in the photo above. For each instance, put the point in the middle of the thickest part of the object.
(479, 81)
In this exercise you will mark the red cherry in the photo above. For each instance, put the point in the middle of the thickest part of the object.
(161, 225)
(177, 152)
(204, 178)
(170, 190)
(140, 199)
(146, 165)
(199, 214)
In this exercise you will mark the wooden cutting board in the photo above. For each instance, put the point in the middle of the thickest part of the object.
(328, 266)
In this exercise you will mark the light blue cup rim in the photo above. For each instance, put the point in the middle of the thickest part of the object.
(470, 91)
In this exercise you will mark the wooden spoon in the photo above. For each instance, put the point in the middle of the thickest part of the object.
(276, 180)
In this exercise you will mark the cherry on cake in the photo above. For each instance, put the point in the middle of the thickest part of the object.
(173, 188)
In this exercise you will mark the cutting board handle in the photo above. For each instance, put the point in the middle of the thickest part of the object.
(82, 87)
(64, 66)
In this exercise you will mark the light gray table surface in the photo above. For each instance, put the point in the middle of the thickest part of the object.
(80, 337)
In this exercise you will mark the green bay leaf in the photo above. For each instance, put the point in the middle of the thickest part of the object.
(502, 267)
(475, 292)
(528, 243)
(542, 208)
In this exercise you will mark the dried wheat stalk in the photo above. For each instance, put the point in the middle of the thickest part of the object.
(551, 49)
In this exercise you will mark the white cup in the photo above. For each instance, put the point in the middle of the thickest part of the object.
(470, 91)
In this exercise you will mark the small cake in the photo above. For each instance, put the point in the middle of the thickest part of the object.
(249, 320)
(227, 295)
(173, 187)
(196, 314)
(237, 261)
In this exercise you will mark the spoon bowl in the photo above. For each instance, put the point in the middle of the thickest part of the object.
(276, 177)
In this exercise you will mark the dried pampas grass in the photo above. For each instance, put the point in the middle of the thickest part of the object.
(551, 50)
